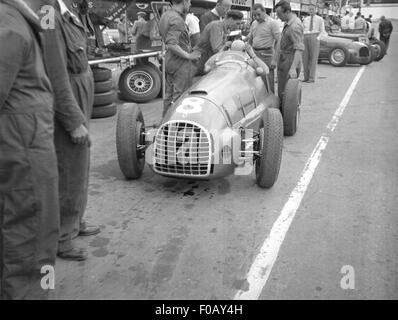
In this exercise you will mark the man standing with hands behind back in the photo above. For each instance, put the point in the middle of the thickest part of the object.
(179, 56)
(314, 28)
(291, 47)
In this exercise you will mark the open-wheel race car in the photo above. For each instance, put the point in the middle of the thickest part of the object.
(227, 122)
(340, 51)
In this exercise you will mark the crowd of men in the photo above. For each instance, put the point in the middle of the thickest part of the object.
(46, 99)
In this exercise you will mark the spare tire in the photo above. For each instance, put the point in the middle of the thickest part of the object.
(105, 98)
(101, 74)
(104, 111)
(103, 86)
(141, 83)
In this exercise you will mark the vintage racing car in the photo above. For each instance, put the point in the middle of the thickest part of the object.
(341, 51)
(377, 47)
(227, 122)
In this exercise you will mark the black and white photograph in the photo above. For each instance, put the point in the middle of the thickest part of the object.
(196, 154)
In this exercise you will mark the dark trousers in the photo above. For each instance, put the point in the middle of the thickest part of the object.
(177, 83)
(386, 41)
(284, 63)
(266, 56)
(73, 166)
(310, 56)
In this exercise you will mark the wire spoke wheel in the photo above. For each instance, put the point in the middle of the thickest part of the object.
(140, 82)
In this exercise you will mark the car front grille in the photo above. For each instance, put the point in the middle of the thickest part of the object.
(182, 148)
(364, 52)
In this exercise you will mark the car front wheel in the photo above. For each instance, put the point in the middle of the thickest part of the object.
(338, 57)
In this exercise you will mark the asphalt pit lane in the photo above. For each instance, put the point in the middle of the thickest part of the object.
(224, 187)
(109, 170)
(170, 183)
(241, 285)
(188, 193)
(99, 242)
(101, 252)
(189, 206)
(112, 223)
(168, 258)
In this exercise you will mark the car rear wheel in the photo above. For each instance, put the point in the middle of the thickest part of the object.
(269, 145)
(130, 141)
(291, 107)
(338, 57)
(141, 83)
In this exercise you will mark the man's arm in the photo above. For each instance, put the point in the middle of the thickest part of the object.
(322, 31)
(250, 35)
(297, 37)
(216, 38)
(276, 33)
(204, 21)
(11, 57)
(171, 40)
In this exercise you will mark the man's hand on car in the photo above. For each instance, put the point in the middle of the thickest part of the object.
(292, 74)
(195, 55)
(80, 135)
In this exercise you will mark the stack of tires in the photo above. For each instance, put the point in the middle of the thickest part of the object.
(105, 95)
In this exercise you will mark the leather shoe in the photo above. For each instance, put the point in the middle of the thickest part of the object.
(88, 230)
(75, 254)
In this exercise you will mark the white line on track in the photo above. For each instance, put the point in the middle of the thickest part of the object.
(262, 265)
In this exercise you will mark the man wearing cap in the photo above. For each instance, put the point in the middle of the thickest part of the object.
(314, 28)
(138, 30)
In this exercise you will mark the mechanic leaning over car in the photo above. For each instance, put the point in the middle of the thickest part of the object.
(180, 68)
(73, 107)
(213, 39)
(29, 211)
(291, 46)
(264, 36)
(314, 28)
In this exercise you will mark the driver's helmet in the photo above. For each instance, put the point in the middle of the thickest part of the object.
(238, 45)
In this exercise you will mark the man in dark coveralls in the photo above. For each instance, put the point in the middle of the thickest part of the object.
(179, 56)
(73, 108)
(29, 212)
(291, 46)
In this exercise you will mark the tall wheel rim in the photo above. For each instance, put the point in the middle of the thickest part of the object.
(338, 56)
(140, 82)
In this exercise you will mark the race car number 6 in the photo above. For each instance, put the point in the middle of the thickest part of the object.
(190, 105)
